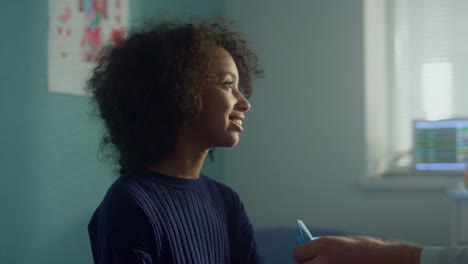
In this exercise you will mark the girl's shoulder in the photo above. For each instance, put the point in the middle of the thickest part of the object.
(221, 189)
(128, 190)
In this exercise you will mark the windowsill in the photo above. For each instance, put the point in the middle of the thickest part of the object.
(417, 183)
(459, 193)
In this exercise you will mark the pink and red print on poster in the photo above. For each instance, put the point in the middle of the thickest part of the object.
(78, 29)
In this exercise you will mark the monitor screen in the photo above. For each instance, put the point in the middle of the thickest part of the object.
(441, 145)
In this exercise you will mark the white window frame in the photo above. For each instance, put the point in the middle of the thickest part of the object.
(377, 51)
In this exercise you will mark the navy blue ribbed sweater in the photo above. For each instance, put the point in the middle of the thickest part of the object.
(148, 217)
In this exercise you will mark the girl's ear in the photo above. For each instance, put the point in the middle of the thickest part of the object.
(189, 103)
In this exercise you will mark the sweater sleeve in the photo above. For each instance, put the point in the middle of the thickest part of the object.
(124, 233)
(243, 244)
(441, 255)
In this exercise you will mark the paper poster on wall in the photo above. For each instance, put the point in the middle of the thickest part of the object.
(78, 29)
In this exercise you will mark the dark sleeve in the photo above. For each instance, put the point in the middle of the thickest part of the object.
(242, 239)
(125, 233)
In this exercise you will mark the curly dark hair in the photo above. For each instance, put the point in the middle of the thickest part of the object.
(149, 85)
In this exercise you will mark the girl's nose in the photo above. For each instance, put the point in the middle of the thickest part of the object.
(243, 104)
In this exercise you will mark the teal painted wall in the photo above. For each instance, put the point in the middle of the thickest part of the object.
(51, 177)
(303, 150)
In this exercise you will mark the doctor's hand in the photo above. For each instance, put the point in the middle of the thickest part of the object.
(355, 250)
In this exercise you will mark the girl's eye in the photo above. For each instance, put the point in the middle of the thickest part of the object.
(229, 85)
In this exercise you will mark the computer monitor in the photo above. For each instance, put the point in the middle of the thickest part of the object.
(441, 145)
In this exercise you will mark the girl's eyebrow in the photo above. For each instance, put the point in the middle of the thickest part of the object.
(234, 76)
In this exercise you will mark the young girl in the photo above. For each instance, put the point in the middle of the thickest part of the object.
(168, 95)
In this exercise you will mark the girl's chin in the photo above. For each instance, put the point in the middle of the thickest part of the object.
(231, 142)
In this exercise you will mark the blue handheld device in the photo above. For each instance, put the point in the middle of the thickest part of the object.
(303, 234)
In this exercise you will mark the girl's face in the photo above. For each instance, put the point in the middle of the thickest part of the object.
(220, 121)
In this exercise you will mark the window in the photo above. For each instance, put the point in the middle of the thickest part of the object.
(416, 68)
